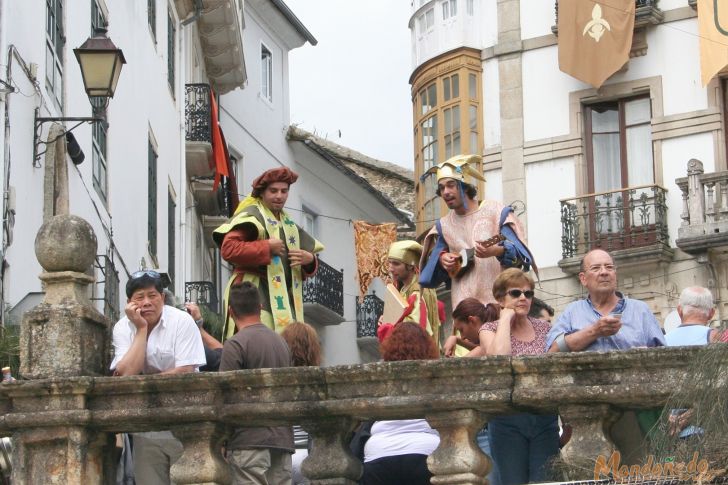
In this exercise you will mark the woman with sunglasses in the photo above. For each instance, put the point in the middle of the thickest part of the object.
(522, 444)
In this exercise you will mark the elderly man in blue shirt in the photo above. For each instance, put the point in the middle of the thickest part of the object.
(605, 320)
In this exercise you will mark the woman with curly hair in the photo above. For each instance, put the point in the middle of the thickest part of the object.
(397, 451)
(303, 341)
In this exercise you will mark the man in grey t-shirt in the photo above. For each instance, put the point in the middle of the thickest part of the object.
(256, 455)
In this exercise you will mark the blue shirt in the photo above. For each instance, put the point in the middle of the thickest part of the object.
(639, 326)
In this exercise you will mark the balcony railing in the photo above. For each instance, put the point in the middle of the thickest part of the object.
(646, 12)
(705, 209)
(197, 113)
(202, 293)
(323, 295)
(621, 219)
(367, 314)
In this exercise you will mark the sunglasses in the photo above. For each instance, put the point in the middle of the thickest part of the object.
(517, 293)
(146, 272)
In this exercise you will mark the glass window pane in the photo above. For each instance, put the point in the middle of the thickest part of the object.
(607, 162)
(446, 89)
(432, 95)
(640, 169)
(473, 117)
(448, 121)
(470, 7)
(435, 154)
(637, 111)
(473, 142)
(472, 86)
(455, 118)
(455, 86)
(456, 149)
(453, 7)
(605, 119)
(445, 11)
(430, 18)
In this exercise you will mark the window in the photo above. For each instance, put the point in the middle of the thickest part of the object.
(98, 20)
(100, 170)
(619, 155)
(171, 253)
(428, 98)
(152, 197)
(55, 42)
(152, 18)
(448, 119)
(171, 52)
(266, 73)
(450, 88)
(429, 142)
(470, 7)
(619, 144)
(449, 9)
(309, 222)
(452, 131)
(426, 21)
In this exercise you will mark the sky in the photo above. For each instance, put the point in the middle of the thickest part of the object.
(352, 87)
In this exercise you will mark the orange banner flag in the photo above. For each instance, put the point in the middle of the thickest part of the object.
(595, 38)
(713, 25)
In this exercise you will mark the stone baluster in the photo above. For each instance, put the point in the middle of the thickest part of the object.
(63, 336)
(458, 460)
(709, 202)
(685, 214)
(589, 439)
(723, 210)
(696, 195)
(201, 461)
(330, 461)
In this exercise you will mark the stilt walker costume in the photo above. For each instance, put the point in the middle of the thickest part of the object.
(244, 242)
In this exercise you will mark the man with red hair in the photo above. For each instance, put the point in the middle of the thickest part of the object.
(268, 249)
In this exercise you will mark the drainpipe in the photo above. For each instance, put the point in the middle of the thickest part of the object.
(4, 136)
(713, 285)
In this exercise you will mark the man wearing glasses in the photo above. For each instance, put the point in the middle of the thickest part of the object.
(154, 338)
(605, 320)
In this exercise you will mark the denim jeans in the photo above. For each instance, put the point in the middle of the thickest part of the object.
(484, 444)
(522, 446)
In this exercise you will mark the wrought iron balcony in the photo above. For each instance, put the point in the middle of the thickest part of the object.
(617, 221)
(198, 130)
(367, 314)
(323, 296)
(705, 209)
(646, 12)
(202, 293)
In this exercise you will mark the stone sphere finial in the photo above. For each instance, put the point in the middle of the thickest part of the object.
(65, 243)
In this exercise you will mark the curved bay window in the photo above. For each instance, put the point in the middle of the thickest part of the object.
(446, 97)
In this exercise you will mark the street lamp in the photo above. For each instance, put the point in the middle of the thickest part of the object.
(101, 63)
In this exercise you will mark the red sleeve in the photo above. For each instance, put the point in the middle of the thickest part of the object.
(240, 249)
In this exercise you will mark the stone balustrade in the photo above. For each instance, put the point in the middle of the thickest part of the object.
(705, 209)
(62, 427)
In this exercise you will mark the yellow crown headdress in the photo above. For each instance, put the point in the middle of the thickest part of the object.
(457, 167)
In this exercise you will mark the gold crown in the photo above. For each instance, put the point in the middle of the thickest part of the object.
(457, 168)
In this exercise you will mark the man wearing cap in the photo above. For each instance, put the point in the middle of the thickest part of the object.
(403, 260)
(268, 249)
(472, 265)
(154, 338)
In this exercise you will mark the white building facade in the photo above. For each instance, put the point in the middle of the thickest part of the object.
(585, 167)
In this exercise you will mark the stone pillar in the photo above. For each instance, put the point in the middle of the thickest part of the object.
(64, 336)
(458, 460)
(696, 194)
(589, 439)
(61, 455)
(201, 461)
(330, 461)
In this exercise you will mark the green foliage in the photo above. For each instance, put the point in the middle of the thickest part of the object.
(10, 348)
(213, 321)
